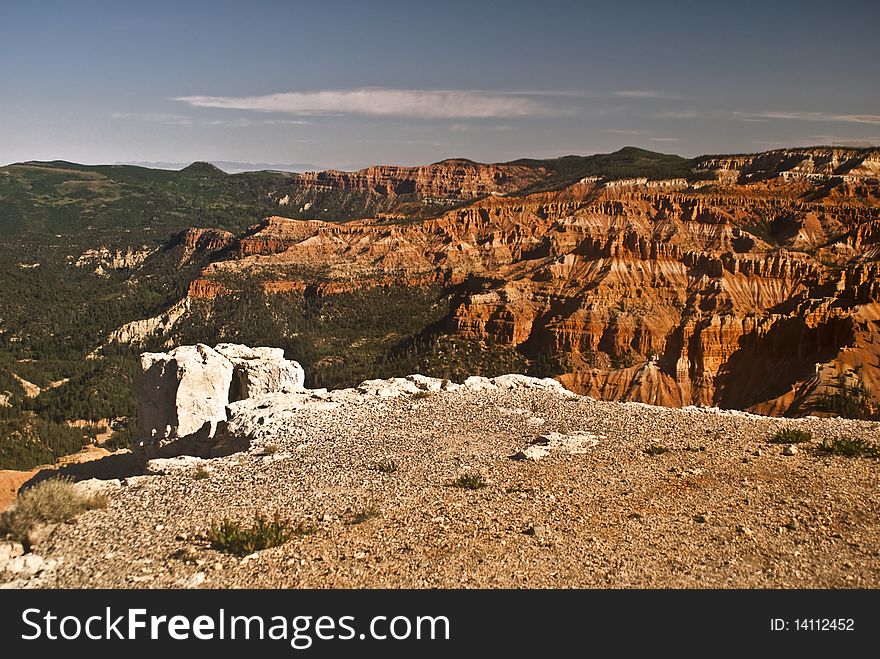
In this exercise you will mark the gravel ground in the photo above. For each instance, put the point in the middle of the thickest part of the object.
(721, 508)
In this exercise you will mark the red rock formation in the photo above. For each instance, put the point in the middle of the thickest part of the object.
(456, 179)
(396, 192)
(205, 289)
(206, 241)
(751, 291)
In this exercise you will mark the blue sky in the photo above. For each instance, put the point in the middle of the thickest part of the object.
(346, 84)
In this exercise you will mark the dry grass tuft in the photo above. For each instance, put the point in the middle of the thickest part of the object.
(53, 501)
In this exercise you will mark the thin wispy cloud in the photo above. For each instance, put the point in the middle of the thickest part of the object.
(424, 104)
(624, 131)
(181, 120)
(407, 142)
(231, 123)
(243, 122)
(643, 93)
(155, 117)
(474, 128)
(678, 114)
(549, 93)
(664, 139)
(287, 122)
(812, 116)
(873, 140)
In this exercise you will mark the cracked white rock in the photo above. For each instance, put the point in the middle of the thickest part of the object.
(260, 371)
(572, 444)
(433, 384)
(478, 383)
(577, 442)
(8, 551)
(515, 381)
(534, 452)
(186, 391)
(388, 388)
(180, 391)
(28, 565)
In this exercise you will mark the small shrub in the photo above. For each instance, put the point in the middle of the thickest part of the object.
(791, 436)
(269, 449)
(625, 360)
(201, 473)
(470, 481)
(50, 502)
(423, 394)
(231, 537)
(363, 515)
(850, 400)
(850, 448)
(656, 449)
(387, 466)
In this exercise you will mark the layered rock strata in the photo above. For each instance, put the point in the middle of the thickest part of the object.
(755, 288)
(390, 189)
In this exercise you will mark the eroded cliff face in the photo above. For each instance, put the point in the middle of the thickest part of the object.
(199, 241)
(458, 179)
(103, 259)
(751, 290)
(812, 163)
(396, 191)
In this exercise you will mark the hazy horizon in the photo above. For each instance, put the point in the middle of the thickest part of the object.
(347, 84)
(234, 167)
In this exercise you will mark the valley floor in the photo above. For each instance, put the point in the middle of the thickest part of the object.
(721, 508)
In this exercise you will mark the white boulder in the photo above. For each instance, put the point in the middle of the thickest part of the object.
(28, 565)
(390, 388)
(185, 394)
(478, 383)
(516, 381)
(572, 444)
(180, 391)
(260, 371)
(8, 551)
(433, 384)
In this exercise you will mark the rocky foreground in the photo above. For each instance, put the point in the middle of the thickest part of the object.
(575, 497)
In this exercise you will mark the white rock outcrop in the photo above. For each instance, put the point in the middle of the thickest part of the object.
(544, 445)
(178, 392)
(138, 330)
(390, 388)
(260, 371)
(186, 392)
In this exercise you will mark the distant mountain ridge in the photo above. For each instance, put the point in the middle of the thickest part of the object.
(59, 195)
(228, 166)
